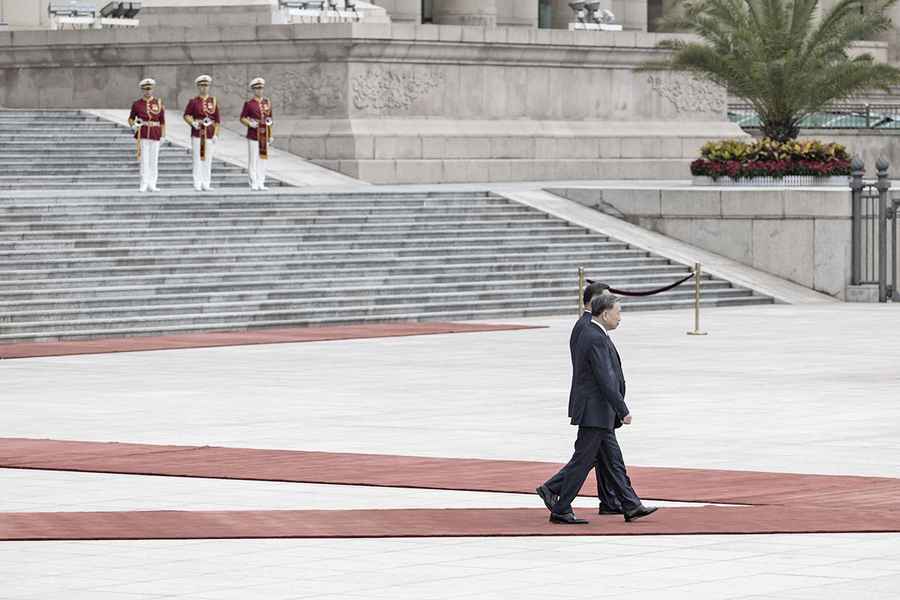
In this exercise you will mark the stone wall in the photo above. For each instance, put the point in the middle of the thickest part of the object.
(220, 14)
(802, 235)
(402, 103)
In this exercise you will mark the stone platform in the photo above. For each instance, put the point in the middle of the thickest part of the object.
(394, 103)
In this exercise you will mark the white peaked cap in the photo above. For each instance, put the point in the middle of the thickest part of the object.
(203, 79)
(258, 82)
(148, 81)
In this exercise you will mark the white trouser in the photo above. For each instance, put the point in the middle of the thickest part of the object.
(202, 168)
(149, 164)
(256, 167)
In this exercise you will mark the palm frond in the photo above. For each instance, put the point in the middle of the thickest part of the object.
(781, 56)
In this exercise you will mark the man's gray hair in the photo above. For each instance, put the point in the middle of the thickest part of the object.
(602, 302)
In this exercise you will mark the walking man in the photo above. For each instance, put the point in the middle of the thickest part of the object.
(609, 503)
(257, 117)
(202, 114)
(597, 405)
(148, 121)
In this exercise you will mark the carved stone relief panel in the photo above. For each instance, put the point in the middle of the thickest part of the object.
(301, 90)
(689, 93)
(383, 90)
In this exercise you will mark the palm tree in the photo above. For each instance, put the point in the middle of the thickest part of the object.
(781, 56)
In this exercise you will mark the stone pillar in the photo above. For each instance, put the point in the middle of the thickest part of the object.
(466, 12)
(562, 14)
(517, 13)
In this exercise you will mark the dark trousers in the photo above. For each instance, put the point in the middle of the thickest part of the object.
(603, 472)
(590, 443)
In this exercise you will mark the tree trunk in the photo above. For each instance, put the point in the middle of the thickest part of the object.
(780, 131)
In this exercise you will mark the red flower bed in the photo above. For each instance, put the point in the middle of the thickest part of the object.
(740, 159)
(736, 169)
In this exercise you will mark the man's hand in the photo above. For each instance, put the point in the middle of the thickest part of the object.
(627, 419)
(196, 125)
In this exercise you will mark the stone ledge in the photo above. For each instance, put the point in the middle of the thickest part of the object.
(719, 203)
(390, 171)
(348, 31)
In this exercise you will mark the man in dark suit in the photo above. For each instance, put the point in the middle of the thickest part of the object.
(549, 491)
(598, 402)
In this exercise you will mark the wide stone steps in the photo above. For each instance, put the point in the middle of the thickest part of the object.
(310, 259)
(65, 169)
(298, 249)
(405, 267)
(259, 242)
(18, 222)
(237, 322)
(36, 309)
(86, 265)
(222, 234)
(94, 213)
(626, 277)
(204, 316)
(64, 150)
(248, 200)
(14, 292)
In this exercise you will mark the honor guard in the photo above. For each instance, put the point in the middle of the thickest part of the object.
(148, 121)
(202, 114)
(257, 117)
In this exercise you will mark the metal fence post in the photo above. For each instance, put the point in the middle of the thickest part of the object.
(697, 274)
(883, 185)
(856, 186)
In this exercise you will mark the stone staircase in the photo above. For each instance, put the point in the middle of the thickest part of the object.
(71, 150)
(103, 264)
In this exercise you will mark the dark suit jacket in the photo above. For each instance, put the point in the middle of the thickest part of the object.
(583, 321)
(598, 384)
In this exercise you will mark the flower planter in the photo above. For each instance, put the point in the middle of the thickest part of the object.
(786, 181)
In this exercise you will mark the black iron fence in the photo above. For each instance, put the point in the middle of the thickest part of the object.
(838, 116)
(875, 252)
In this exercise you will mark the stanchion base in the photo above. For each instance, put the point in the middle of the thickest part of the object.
(697, 333)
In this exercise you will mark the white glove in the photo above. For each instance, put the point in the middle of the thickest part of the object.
(135, 127)
(253, 123)
(195, 125)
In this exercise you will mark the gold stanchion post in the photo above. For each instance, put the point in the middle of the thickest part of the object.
(580, 290)
(696, 330)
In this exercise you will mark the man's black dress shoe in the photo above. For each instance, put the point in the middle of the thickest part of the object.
(639, 513)
(567, 519)
(547, 496)
(605, 510)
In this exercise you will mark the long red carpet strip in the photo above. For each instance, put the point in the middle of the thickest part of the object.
(782, 502)
(659, 483)
(243, 338)
(147, 525)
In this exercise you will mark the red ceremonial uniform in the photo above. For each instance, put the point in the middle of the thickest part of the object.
(153, 114)
(200, 108)
(258, 109)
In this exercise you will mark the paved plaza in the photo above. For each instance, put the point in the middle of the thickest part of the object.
(792, 389)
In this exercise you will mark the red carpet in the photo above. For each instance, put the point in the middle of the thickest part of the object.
(783, 502)
(242, 338)
(698, 485)
(429, 523)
